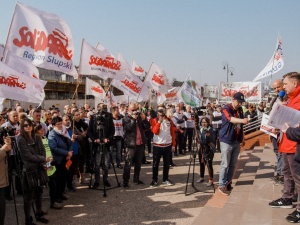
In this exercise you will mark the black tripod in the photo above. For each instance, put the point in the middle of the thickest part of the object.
(193, 155)
(100, 156)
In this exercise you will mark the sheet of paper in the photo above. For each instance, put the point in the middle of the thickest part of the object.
(264, 127)
(282, 114)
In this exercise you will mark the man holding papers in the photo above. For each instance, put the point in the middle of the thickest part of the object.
(291, 85)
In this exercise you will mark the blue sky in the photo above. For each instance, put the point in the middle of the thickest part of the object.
(183, 37)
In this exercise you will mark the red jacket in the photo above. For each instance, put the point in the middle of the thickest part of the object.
(155, 128)
(287, 146)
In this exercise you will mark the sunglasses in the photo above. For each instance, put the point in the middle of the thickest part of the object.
(27, 125)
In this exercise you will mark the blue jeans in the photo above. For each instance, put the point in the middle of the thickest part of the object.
(229, 157)
(278, 156)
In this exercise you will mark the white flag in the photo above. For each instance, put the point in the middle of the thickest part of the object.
(130, 84)
(275, 64)
(188, 93)
(21, 65)
(94, 88)
(100, 62)
(14, 85)
(42, 38)
(170, 97)
(157, 79)
(137, 70)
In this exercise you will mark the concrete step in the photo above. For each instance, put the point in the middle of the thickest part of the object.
(253, 190)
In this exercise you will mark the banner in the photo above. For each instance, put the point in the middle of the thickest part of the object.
(99, 62)
(157, 79)
(275, 64)
(42, 38)
(21, 65)
(94, 88)
(14, 85)
(188, 93)
(211, 91)
(170, 97)
(137, 70)
(251, 90)
(130, 84)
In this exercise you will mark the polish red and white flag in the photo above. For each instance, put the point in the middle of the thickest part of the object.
(157, 79)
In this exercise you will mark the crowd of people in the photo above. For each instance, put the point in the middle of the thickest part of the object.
(58, 149)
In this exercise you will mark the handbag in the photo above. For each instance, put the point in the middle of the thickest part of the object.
(36, 178)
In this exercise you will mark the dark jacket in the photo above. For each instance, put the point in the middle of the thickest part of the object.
(4, 169)
(33, 153)
(293, 134)
(129, 125)
(59, 146)
(228, 130)
(108, 125)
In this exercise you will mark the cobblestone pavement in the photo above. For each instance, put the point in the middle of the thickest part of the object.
(140, 204)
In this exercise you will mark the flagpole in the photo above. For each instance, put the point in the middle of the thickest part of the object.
(14, 13)
(144, 84)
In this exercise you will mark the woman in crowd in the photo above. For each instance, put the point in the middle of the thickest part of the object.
(34, 157)
(50, 169)
(207, 148)
(60, 146)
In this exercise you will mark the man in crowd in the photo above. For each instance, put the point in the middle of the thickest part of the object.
(217, 123)
(82, 127)
(291, 85)
(135, 140)
(163, 145)
(36, 117)
(231, 137)
(101, 131)
(179, 123)
(13, 125)
(118, 136)
(278, 86)
(189, 126)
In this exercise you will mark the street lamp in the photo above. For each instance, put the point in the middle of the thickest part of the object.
(228, 69)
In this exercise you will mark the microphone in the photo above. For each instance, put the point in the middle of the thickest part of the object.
(281, 94)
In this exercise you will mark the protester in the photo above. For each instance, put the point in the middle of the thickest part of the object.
(216, 124)
(179, 123)
(206, 152)
(231, 138)
(61, 148)
(189, 126)
(135, 140)
(278, 86)
(101, 132)
(291, 85)
(163, 145)
(50, 169)
(76, 136)
(118, 136)
(34, 157)
(13, 125)
(4, 180)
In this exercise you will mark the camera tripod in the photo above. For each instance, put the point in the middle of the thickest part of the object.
(100, 158)
(193, 155)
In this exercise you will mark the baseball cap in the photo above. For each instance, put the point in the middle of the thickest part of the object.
(239, 97)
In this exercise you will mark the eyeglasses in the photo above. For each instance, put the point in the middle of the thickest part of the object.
(27, 125)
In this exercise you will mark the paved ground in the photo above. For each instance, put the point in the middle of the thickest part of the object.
(140, 204)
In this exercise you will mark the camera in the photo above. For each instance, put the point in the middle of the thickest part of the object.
(7, 131)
